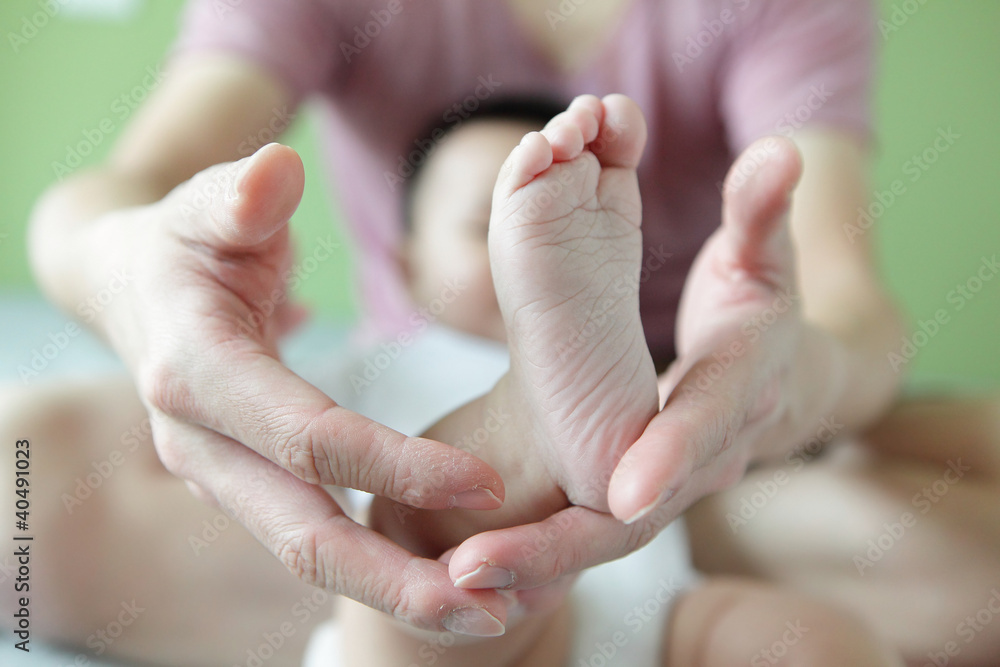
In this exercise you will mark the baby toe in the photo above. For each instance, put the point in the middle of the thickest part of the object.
(589, 112)
(528, 159)
(623, 133)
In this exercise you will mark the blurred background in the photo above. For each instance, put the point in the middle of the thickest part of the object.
(80, 69)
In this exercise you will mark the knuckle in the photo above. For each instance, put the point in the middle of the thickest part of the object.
(574, 557)
(296, 450)
(300, 554)
(728, 437)
(208, 185)
(404, 603)
(570, 555)
(202, 494)
(722, 435)
(315, 560)
(392, 483)
(162, 388)
(396, 477)
(171, 454)
(372, 458)
(578, 558)
(731, 474)
(641, 534)
(718, 437)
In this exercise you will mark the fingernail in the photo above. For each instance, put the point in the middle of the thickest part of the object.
(475, 622)
(486, 576)
(242, 167)
(663, 497)
(238, 169)
(475, 499)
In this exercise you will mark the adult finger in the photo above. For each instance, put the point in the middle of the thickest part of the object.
(238, 205)
(539, 554)
(704, 417)
(253, 399)
(302, 525)
(520, 602)
(228, 379)
(756, 198)
(713, 401)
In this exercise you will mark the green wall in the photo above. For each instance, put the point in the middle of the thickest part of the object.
(939, 71)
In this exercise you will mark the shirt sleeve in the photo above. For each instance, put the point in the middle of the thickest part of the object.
(799, 62)
(295, 40)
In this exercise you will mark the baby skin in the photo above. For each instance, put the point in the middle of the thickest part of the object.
(565, 250)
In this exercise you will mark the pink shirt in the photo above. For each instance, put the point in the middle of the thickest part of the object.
(710, 75)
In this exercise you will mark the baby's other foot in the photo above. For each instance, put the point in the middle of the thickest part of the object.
(565, 249)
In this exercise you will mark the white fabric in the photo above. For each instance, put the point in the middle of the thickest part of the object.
(620, 608)
(409, 387)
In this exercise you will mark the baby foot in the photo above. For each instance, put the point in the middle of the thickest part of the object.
(565, 250)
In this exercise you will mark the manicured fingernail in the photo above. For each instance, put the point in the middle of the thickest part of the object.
(475, 622)
(476, 499)
(664, 497)
(486, 576)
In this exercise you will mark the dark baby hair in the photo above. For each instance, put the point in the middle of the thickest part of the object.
(528, 109)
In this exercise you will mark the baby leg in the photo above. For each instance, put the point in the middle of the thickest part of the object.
(729, 622)
(903, 529)
(124, 561)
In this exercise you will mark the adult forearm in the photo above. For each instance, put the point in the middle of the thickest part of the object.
(850, 319)
(840, 382)
(871, 383)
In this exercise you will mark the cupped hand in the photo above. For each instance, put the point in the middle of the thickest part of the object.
(198, 326)
(748, 368)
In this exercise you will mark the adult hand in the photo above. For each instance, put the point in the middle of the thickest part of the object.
(748, 366)
(198, 326)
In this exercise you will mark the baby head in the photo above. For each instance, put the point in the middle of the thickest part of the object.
(447, 211)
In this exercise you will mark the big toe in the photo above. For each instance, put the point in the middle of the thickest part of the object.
(622, 137)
